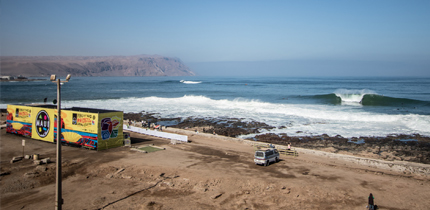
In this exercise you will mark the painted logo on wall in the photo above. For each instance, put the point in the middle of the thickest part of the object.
(109, 127)
(22, 112)
(42, 124)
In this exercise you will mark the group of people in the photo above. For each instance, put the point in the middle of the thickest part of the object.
(145, 124)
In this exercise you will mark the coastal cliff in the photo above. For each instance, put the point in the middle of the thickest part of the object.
(140, 65)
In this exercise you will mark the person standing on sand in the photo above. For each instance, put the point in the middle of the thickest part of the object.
(371, 204)
(289, 146)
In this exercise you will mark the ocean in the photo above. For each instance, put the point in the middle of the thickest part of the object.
(350, 107)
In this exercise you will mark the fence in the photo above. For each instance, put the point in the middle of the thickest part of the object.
(291, 151)
(281, 150)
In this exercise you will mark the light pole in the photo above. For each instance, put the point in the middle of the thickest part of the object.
(58, 196)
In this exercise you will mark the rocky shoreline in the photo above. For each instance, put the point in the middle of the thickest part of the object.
(412, 148)
(231, 127)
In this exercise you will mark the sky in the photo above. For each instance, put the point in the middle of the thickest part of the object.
(285, 38)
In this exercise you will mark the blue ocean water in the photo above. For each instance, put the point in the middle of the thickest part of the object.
(350, 107)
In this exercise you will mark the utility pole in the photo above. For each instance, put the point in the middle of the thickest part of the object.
(58, 183)
(58, 191)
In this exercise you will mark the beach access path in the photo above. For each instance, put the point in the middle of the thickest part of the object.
(209, 172)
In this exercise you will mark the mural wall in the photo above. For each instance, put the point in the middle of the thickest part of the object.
(110, 132)
(92, 130)
(18, 120)
(43, 124)
(78, 128)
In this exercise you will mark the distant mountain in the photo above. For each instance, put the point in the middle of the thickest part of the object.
(140, 65)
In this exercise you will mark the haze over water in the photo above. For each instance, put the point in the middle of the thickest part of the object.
(350, 107)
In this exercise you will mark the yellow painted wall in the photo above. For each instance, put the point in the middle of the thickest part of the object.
(80, 121)
(43, 123)
(93, 130)
(18, 120)
(20, 113)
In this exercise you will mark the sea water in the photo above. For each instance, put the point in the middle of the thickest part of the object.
(350, 107)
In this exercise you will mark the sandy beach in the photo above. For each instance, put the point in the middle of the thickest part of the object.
(209, 172)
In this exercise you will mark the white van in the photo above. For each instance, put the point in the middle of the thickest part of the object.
(264, 157)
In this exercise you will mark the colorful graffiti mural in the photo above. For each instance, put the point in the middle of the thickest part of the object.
(79, 121)
(18, 120)
(42, 123)
(111, 130)
(79, 126)
(109, 127)
(19, 128)
(77, 138)
(78, 129)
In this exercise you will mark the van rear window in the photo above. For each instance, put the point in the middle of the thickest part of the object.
(259, 154)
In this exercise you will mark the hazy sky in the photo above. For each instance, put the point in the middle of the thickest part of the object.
(392, 37)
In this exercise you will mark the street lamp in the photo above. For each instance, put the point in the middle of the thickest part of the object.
(58, 197)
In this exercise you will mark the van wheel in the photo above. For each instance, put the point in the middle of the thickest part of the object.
(277, 159)
(267, 163)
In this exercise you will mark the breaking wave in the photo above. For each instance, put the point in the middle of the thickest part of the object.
(367, 98)
(352, 96)
(190, 82)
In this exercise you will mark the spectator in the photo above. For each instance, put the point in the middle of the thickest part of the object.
(371, 204)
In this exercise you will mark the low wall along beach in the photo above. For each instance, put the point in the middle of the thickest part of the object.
(160, 134)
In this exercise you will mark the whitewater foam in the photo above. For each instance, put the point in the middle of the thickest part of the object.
(190, 82)
(298, 119)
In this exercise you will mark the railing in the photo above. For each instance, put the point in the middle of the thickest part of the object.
(281, 150)
(292, 152)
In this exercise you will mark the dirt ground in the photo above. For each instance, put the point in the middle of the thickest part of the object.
(207, 173)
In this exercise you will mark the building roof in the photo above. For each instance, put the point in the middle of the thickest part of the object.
(91, 110)
(78, 109)
(52, 106)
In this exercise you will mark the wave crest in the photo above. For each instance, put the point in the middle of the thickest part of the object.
(190, 82)
(368, 98)
(353, 96)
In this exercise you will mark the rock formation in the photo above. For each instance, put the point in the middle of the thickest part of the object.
(140, 65)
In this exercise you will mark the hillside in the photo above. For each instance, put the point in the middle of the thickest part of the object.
(140, 65)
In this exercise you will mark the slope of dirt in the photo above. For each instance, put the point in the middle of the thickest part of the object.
(207, 173)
